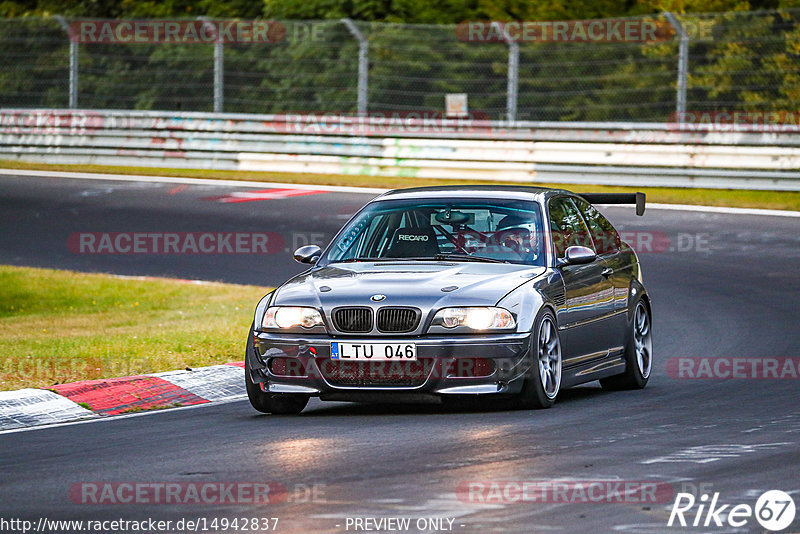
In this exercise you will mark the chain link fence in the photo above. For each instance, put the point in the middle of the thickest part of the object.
(743, 61)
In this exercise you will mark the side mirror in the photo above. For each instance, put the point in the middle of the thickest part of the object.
(577, 255)
(307, 254)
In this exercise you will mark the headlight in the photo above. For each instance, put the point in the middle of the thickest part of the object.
(290, 316)
(477, 318)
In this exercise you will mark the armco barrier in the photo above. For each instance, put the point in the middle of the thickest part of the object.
(639, 154)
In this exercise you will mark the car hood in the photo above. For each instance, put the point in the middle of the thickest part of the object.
(425, 285)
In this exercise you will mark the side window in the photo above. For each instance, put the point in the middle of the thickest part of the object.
(605, 236)
(567, 226)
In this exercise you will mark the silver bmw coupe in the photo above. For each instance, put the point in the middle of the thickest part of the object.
(438, 293)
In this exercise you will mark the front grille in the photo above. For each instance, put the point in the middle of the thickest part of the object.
(398, 320)
(378, 374)
(353, 320)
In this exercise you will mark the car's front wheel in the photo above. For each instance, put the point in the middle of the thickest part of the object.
(274, 403)
(638, 352)
(543, 380)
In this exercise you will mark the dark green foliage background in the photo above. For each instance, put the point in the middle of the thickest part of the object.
(741, 58)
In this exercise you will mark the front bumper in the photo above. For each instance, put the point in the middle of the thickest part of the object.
(442, 367)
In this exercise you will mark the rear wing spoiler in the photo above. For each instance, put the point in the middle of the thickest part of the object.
(617, 198)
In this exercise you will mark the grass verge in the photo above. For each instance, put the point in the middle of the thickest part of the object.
(63, 326)
(778, 200)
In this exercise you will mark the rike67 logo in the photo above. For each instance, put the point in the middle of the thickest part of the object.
(774, 511)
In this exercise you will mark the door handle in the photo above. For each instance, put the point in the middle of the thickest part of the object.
(608, 271)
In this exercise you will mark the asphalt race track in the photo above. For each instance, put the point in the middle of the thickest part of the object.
(725, 286)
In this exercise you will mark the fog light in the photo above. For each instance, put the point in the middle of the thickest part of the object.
(286, 367)
(471, 368)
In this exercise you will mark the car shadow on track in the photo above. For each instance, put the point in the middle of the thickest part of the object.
(566, 398)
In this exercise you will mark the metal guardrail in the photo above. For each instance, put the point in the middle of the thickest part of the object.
(637, 154)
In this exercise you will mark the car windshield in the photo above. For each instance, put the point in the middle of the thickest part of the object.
(491, 230)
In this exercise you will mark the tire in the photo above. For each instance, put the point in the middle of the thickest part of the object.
(274, 403)
(543, 380)
(638, 352)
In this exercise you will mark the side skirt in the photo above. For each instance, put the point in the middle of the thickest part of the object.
(580, 374)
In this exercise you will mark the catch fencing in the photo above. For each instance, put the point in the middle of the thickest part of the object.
(741, 61)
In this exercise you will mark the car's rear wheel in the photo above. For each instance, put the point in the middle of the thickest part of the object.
(543, 380)
(638, 352)
(274, 403)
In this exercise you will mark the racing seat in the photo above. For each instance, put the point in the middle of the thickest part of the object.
(413, 242)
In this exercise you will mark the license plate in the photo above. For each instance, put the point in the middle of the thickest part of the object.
(379, 352)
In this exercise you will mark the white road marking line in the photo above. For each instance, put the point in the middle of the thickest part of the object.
(31, 409)
(725, 210)
(341, 189)
(26, 407)
(190, 181)
(123, 416)
(265, 194)
(711, 453)
(214, 383)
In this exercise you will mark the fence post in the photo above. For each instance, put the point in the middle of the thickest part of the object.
(683, 64)
(363, 64)
(512, 85)
(219, 66)
(73, 64)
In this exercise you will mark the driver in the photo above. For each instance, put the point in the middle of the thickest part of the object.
(519, 235)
